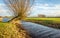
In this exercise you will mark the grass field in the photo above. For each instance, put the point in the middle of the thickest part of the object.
(51, 22)
(52, 19)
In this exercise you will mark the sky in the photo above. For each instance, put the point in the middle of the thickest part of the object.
(46, 7)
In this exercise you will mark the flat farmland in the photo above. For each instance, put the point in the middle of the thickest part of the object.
(51, 22)
(43, 19)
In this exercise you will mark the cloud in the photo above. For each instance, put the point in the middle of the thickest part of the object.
(4, 11)
(47, 9)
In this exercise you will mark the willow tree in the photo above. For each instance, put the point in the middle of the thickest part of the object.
(19, 8)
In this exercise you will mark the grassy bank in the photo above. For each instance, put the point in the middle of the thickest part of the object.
(52, 19)
(51, 22)
(9, 30)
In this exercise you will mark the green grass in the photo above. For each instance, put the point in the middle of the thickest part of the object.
(51, 22)
(3, 24)
(52, 19)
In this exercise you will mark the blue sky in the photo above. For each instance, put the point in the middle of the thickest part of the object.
(46, 7)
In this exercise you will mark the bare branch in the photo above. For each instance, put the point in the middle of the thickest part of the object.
(20, 8)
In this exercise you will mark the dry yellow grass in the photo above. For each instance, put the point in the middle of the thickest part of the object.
(1, 19)
(9, 30)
